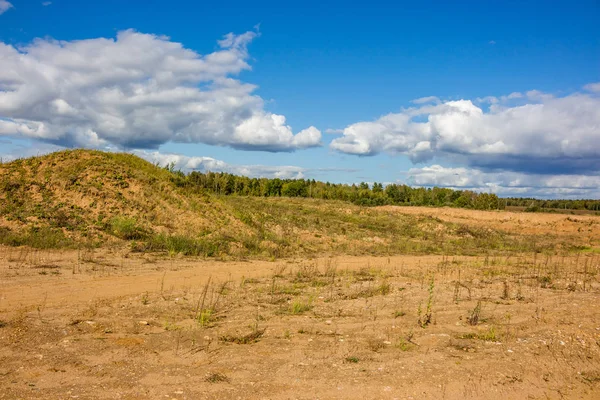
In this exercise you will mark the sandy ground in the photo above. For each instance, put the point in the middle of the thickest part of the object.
(585, 227)
(110, 324)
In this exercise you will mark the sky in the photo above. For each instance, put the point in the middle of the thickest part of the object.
(495, 96)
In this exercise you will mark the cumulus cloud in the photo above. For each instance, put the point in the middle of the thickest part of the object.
(138, 91)
(205, 164)
(541, 134)
(487, 99)
(593, 87)
(507, 183)
(4, 6)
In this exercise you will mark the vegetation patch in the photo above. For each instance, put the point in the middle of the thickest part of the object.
(251, 337)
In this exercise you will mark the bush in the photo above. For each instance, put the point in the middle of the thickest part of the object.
(39, 238)
(127, 228)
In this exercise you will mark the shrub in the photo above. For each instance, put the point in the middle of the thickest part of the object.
(36, 237)
(127, 228)
(186, 245)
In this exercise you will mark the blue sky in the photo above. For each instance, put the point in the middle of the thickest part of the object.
(334, 66)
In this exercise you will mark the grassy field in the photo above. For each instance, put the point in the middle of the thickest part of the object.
(116, 283)
(87, 199)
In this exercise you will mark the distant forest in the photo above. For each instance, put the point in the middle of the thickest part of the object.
(365, 194)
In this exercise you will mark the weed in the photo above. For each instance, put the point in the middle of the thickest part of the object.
(352, 359)
(169, 326)
(252, 337)
(301, 306)
(404, 345)
(384, 288)
(590, 376)
(425, 318)
(375, 344)
(545, 281)
(364, 274)
(381, 289)
(145, 299)
(475, 315)
(505, 291)
(490, 335)
(217, 377)
(205, 317)
(204, 310)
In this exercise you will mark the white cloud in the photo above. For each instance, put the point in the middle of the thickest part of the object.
(555, 134)
(593, 87)
(138, 91)
(334, 131)
(427, 99)
(4, 6)
(536, 95)
(507, 183)
(487, 99)
(205, 164)
(46, 3)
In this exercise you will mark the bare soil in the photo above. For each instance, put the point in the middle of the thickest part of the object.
(108, 323)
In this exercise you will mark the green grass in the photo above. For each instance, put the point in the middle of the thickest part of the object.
(300, 306)
(36, 237)
(185, 245)
(79, 196)
(491, 335)
(127, 228)
(205, 317)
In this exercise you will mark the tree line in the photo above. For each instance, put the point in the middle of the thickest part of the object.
(364, 194)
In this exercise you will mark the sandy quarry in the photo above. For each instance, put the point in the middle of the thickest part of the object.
(112, 324)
